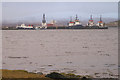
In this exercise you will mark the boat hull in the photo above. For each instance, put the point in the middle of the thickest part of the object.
(95, 27)
(25, 28)
(66, 27)
(85, 27)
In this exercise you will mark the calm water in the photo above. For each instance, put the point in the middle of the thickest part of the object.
(85, 52)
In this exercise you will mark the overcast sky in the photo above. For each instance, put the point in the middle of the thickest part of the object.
(32, 11)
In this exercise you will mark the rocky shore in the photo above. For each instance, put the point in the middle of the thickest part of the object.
(24, 75)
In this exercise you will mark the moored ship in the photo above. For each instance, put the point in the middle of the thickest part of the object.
(75, 24)
(99, 25)
(44, 24)
(90, 25)
(90, 22)
(23, 26)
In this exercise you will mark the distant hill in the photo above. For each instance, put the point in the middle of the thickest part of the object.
(113, 24)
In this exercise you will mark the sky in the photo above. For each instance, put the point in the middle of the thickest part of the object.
(59, 0)
(33, 11)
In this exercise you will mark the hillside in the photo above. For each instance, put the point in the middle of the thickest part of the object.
(112, 24)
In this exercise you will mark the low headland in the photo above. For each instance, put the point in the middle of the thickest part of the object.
(25, 75)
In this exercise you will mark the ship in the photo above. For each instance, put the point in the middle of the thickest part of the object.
(76, 24)
(23, 26)
(44, 24)
(52, 25)
(90, 22)
(73, 24)
(99, 25)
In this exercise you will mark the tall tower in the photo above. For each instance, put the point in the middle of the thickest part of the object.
(44, 25)
(43, 21)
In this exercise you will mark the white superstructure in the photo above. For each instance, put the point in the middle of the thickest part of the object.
(74, 23)
(71, 23)
(23, 26)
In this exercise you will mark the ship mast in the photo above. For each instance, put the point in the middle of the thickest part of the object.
(71, 19)
(100, 17)
(90, 17)
(76, 17)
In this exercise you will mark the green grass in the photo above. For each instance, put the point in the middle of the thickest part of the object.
(24, 75)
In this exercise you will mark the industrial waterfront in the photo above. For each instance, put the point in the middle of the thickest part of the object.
(72, 24)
